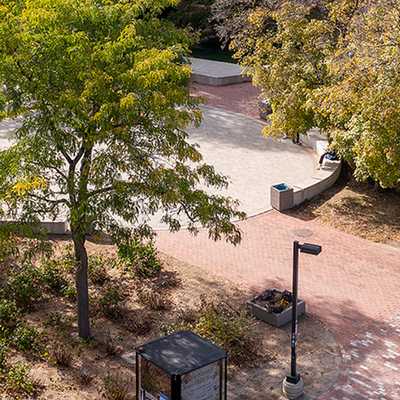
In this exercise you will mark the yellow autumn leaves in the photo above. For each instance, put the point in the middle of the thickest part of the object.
(24, 187)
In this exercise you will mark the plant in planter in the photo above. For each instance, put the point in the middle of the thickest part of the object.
(275, 307)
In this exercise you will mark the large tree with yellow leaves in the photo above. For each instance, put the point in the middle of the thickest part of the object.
(333, 65)
(104, 104)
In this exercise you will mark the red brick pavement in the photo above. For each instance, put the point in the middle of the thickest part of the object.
(241, 98)
(353, 285)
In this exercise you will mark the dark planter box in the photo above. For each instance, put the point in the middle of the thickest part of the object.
(282, 197)
(274, 319)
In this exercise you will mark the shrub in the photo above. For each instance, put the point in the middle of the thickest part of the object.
(9, 314)
(57, 319)
(85, 376)
(69, 292)
(111, 346)
(151, 297)
(25, 338)
(110, 303)
(228, 328)
(97, 269)
(139, 323)
(61, 355)
(140, 258)
(8, 245)
(67, 258)
(18, 380)
(116, 387)
(3, 354)
(24, 286)
(223, 325)
(33, 249)
(52, 276)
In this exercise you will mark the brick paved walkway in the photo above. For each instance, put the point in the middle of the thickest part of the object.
(372, 366)
(240, 98)
(353, 285)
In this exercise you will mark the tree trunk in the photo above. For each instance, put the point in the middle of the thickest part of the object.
(82, 287)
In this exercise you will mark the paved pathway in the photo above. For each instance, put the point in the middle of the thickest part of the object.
(240, 98)
(353, 286)
(234, 145)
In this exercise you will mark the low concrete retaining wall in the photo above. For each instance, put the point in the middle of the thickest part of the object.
(216, 73)
(52, 227)
(323, 178)
(318, 183)
(56, 228)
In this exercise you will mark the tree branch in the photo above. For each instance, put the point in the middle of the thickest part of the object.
(101, 191)
(54, 202)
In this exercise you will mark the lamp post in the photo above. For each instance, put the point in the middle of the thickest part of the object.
(293, 386)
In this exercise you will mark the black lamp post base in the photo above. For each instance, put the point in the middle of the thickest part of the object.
(292, 390)
(293, 379)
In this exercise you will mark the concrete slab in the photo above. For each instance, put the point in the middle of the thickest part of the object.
(216, 73)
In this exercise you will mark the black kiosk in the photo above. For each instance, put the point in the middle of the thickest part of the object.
(181, 366)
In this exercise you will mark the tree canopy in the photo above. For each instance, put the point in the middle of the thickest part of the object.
(333, 65)
(104, 104)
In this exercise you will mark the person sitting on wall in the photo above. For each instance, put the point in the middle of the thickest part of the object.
(329, 155)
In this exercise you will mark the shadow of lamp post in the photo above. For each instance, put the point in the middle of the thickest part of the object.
(293, 386)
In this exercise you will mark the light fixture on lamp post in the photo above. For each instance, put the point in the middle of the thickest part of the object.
(293, 386)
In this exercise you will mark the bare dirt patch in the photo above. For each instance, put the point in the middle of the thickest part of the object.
(358, 209)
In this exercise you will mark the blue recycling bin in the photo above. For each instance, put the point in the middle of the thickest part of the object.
(282, 196)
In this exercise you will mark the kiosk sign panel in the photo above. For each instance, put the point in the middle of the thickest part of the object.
(181, 366)
(202, 384)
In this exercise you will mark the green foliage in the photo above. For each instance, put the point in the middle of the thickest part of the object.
(67, 259)
(360, 101)
(103, 93)
(24, 287)
(25, 338)
(110, 303)
(18, 381)
(8, 245)
(285, 48)
(231, 19)
(139, 258)
(69, 292)
(9, 315)
(117, 387)
(52, 275)
(58, 320)
(125, 105)
(17, 244)
(332, 65)
(97, 269)
(4, 349)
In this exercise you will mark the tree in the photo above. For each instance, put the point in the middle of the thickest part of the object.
(332, 65)
(286, 46)
(105, 104)
(231, 19)
(360, 101)
(194, 15)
